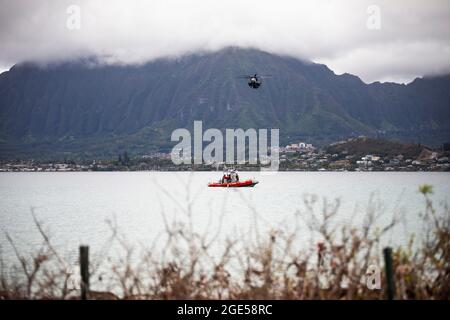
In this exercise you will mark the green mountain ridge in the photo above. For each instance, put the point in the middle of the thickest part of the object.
(80, 108)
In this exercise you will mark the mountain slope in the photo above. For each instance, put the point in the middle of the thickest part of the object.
(81, 107)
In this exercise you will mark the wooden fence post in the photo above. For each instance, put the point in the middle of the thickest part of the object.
(84, 271)
(389, 273)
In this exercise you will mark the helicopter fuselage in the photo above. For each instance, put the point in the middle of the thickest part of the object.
(254, 83)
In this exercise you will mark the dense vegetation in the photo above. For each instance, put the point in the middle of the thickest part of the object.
(359, 147)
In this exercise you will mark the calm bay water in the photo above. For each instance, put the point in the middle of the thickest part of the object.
(74, 206)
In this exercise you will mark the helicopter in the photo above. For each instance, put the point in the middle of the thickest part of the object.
(254, 81)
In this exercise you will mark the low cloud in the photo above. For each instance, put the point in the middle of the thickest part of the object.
(413, 38)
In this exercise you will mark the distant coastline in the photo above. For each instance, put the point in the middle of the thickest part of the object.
(355, 154)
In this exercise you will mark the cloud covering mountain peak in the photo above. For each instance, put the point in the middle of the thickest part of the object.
(412, 38)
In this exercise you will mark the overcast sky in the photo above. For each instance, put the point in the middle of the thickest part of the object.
(397, 40)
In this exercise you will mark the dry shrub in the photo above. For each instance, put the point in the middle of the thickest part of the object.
(268, 264)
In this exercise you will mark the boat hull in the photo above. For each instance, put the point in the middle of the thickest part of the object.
(238, 184)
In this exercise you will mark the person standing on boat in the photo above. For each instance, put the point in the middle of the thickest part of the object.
(226, 177)
(234, 176)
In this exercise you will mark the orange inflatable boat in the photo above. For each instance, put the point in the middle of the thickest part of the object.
(236, 184)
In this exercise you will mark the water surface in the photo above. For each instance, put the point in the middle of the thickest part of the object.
(74, 206)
